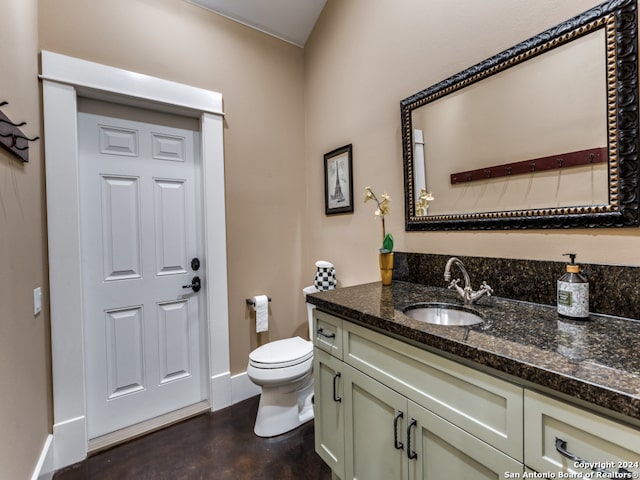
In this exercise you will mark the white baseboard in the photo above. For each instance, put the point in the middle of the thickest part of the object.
(227, 390)
(243, 388)
(45, 467)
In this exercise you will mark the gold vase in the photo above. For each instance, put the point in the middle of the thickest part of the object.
(386, 267)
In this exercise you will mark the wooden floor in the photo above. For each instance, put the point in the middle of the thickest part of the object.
(219, 445)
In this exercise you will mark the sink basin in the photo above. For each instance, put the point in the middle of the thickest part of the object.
(443, 314)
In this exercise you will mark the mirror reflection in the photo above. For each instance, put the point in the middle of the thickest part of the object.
(528, 138)
(558, 98)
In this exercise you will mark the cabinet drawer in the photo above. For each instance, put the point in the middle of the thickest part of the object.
(327, 333)
(485, 406)
(597, 441)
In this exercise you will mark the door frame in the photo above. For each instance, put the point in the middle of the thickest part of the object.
(65, 78)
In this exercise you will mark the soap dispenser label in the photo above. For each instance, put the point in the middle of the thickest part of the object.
(564, 298)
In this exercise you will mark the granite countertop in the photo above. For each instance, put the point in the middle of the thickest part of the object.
(595, 360)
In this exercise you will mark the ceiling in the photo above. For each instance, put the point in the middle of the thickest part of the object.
(288, 20)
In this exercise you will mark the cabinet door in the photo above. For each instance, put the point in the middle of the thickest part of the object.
(329, 410)
(370, 417)
(441, 450)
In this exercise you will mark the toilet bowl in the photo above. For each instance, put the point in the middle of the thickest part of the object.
(284, 371)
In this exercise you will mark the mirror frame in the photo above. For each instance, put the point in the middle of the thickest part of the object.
(619, 19)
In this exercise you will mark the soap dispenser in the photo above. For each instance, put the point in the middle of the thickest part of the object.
(573, 292)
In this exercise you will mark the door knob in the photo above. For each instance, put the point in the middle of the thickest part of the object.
(195, 284)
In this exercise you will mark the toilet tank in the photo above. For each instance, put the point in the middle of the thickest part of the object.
(310, 308)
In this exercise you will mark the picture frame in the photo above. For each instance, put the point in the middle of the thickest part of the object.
(338, 180)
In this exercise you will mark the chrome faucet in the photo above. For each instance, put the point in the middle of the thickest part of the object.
(467, 293)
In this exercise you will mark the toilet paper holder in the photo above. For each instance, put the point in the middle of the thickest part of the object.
(252, 302)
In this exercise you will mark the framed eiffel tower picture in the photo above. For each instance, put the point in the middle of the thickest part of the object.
(338, 180)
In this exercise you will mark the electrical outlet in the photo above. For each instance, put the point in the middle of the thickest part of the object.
(37, 300)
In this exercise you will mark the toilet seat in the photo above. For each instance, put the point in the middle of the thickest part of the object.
(281, 353)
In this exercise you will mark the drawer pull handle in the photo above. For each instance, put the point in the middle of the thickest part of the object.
(326, 335)
(396, 443)
(411, 455)
(336, 398)
(561, 447)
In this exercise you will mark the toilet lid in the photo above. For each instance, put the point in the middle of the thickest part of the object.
(282, 353)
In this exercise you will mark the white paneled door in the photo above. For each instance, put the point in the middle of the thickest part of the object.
(139, 234)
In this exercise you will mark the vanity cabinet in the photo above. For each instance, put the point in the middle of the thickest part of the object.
(388, 436)
(563, 437)
(386, 409)
(487, 407)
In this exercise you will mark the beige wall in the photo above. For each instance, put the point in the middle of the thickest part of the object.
(285, 108)
(363, 57)
(261, 81)
(25, 414)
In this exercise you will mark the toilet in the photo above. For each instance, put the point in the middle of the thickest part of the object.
(284, 371)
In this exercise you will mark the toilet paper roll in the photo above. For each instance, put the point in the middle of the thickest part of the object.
(261, 306)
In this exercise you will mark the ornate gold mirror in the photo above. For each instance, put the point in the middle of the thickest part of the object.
(541, 135)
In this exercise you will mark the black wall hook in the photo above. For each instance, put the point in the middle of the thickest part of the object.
(12, 138)
(21, 124)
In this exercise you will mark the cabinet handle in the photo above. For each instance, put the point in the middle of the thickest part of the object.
(336, 398)
(326, 335)
(561, 447)
(396, 443)
(411, 455)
